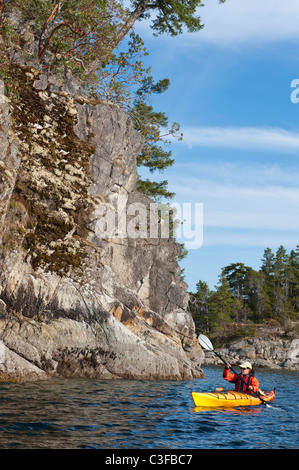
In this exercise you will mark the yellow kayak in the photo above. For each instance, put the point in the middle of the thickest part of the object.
(229, 399)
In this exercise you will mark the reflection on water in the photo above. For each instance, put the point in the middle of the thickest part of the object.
(233, 410)
(143, 415)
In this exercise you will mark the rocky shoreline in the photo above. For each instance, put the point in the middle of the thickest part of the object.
(270, 348)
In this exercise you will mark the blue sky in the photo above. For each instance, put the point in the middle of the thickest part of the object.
(231, 93)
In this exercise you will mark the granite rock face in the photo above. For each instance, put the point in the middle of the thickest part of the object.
(79, 297)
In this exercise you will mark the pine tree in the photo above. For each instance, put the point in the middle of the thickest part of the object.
(281, 306)
(237, 278)
(150, 122)
(294, 287)
(222, 305)
(170, 17)
(258, 298)
(199, 307)
(268, 263)
(246, 294)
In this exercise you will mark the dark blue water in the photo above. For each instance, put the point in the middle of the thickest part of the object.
(95, 414)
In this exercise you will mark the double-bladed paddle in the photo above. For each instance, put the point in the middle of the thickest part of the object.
(206, 344)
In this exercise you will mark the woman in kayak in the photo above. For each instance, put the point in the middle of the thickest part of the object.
(245, 382)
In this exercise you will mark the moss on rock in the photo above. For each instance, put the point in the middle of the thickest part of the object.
(53, 180)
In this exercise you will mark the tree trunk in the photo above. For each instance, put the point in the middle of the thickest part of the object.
(133, 17)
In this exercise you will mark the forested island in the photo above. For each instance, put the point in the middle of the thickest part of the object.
(245, 295)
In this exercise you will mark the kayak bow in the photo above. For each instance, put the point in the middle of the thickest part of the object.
(230, 398)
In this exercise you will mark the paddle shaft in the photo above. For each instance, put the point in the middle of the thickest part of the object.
(254, 393)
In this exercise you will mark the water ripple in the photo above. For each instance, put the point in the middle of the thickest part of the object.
(144, 415)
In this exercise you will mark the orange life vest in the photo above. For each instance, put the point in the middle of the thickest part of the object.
(240, 385)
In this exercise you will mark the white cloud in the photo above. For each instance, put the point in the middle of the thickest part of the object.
(254, 20)
(244, 173)
(239, 207)
(242, 137)
(241, 197)
(239, 21)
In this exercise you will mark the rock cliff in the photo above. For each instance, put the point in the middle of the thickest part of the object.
(72, 301)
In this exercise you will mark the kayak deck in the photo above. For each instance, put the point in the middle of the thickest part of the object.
(229, 398)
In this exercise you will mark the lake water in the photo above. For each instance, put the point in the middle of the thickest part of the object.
(97, 414)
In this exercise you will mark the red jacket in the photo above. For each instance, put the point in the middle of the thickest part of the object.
(240, 386)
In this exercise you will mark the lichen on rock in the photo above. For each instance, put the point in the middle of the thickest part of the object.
(73, 303)
(54, 177)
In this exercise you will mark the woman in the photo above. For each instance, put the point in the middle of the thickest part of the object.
(245, 382)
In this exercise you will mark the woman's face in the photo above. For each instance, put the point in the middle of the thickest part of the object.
(245, 371)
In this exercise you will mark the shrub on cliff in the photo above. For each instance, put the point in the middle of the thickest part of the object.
(87, 37)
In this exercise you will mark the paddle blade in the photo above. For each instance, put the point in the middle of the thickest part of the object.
(205, 342)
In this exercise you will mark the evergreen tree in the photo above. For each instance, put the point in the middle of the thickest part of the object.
(150, 122)
(237, 278)
(258, 298)
(222, 305)
(268, 263)
(280, 290)
(294, 285)
(168, 16)
(199, 307)
(245, 294)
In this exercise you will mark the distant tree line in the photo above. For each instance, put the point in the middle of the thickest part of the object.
(244, 294)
